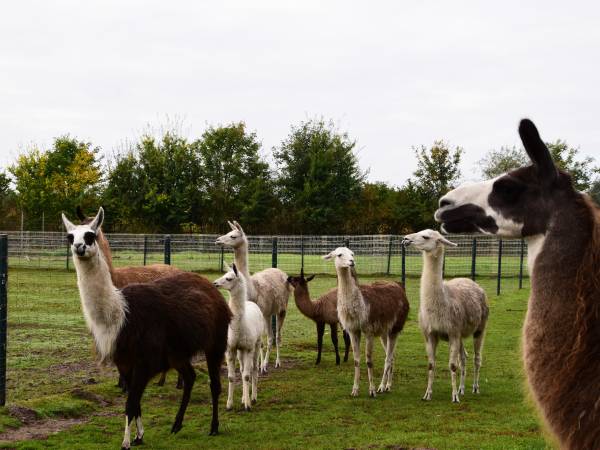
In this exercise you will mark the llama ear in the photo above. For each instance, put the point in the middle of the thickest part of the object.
(79, 213)
(238, 226)
(537, 151)
(329, 255)
(98, 220)
(445, 241)
(231, 225)
(310, 278)
(233, 266)
(67, 223)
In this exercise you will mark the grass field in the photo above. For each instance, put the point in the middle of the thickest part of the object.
(52, 373)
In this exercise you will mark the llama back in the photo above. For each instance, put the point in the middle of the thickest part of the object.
(472, 300)
(326, 306)
(271, 288)
(123, 276)
(385, 299)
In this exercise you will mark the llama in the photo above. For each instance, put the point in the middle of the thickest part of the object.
(561, 336)
(268, 288)
(323, 312)
(449, 310)
(122, 276)
(244, 336)
(377, 309)
(147, 328)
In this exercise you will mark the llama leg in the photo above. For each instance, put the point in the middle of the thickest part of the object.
(477, 344)
(463, 369)
(230, 357)
(189, 376)
(248, 358)
(384, 344)
(454, 342)
(389, 356)
(355, 340)
(255, 372)
(279, 319)
(269, 328)
(214, 362)
(133, 409)
(369, 357)
(346, 344)
(320, 332)
(430, 346)
(139, 431)
(334, 341)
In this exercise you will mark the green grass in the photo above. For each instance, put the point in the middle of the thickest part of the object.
(51, 370)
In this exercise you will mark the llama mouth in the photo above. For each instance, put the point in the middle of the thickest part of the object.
(467, 218)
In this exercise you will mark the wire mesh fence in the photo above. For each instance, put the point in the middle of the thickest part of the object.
(480, 256)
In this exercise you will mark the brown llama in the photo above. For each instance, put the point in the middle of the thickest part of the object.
(122, 276)
(561, 336)
(377, 309)
(147, 328)
(322, 311)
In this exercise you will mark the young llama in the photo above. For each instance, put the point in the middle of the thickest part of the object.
(377, 309)
(122, 276)
(147, 328)
(561, 336)
(268, 288)
(449, 310)
(323, 312)
(243, 337)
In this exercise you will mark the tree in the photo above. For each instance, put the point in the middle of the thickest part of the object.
(59, 179)
(437, 168)
(319, 177)
(497, 162)
(235, 181)
(595, 191)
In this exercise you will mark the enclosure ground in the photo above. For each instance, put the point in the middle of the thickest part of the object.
(53, 374)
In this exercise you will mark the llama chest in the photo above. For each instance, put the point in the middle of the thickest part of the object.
(352, 312)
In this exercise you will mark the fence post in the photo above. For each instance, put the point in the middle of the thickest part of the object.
(403, 265)
(67, 256)
(347, 243)
(168, 249)
(274, 253)
(499, 266)
(145, 248)
(521, 264)
(302, 252)
(389, 262)
(3, 314)
(474, 259)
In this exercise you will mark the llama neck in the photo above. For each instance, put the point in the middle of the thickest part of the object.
(350, 299)
(237, 299)
(241, 261)
(432, 281)
(104, 307)
(304, 303)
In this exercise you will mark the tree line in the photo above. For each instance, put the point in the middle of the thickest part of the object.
(313, 185)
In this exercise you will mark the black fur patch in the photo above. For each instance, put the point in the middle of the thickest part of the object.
(89, 237)
(467, 218)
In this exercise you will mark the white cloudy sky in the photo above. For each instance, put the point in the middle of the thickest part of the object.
(393, 74)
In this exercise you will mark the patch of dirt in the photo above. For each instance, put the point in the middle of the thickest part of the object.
(90, 396)
(69, 368)
(39, 429)
(24, 415)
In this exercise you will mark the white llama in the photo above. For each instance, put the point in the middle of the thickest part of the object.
(377, 309)
(243, 336)
(269, 289)
(449, 310)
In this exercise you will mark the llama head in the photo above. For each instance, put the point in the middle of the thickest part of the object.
(235, 238)
(83, 237)
(516, 204)
(427, 241)
(230, 280)
(300, 281)
(342, 256)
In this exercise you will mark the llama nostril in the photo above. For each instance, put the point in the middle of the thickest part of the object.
(445, 202)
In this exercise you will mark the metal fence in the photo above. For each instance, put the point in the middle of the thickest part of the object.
(481, 256)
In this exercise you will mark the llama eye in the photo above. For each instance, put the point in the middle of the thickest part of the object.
(70, 238)
(340, 255)
(425, 237)
(89, 237)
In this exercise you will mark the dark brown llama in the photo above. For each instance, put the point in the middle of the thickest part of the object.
(322, 311)
(147, 328)
(123, 276)
(561, 338)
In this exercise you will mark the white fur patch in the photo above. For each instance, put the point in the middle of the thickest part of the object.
(534, 247)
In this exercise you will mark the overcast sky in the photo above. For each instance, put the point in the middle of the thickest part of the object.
(393, 74)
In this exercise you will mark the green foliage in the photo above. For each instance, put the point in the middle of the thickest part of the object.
(497, 162)
(48, 182)
(318, 178)
(595, 191)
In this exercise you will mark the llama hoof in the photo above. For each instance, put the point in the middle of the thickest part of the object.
(228, 408)
(427, 397)
(277, 364)
(138, 441)
(372, 393)
(247, 408)
(455, 398)
(381, 389)
(254, 401)
(354, 392)
(475, 389)
(176, 427)
(461, 391)
(124, 448)
(214, 432)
